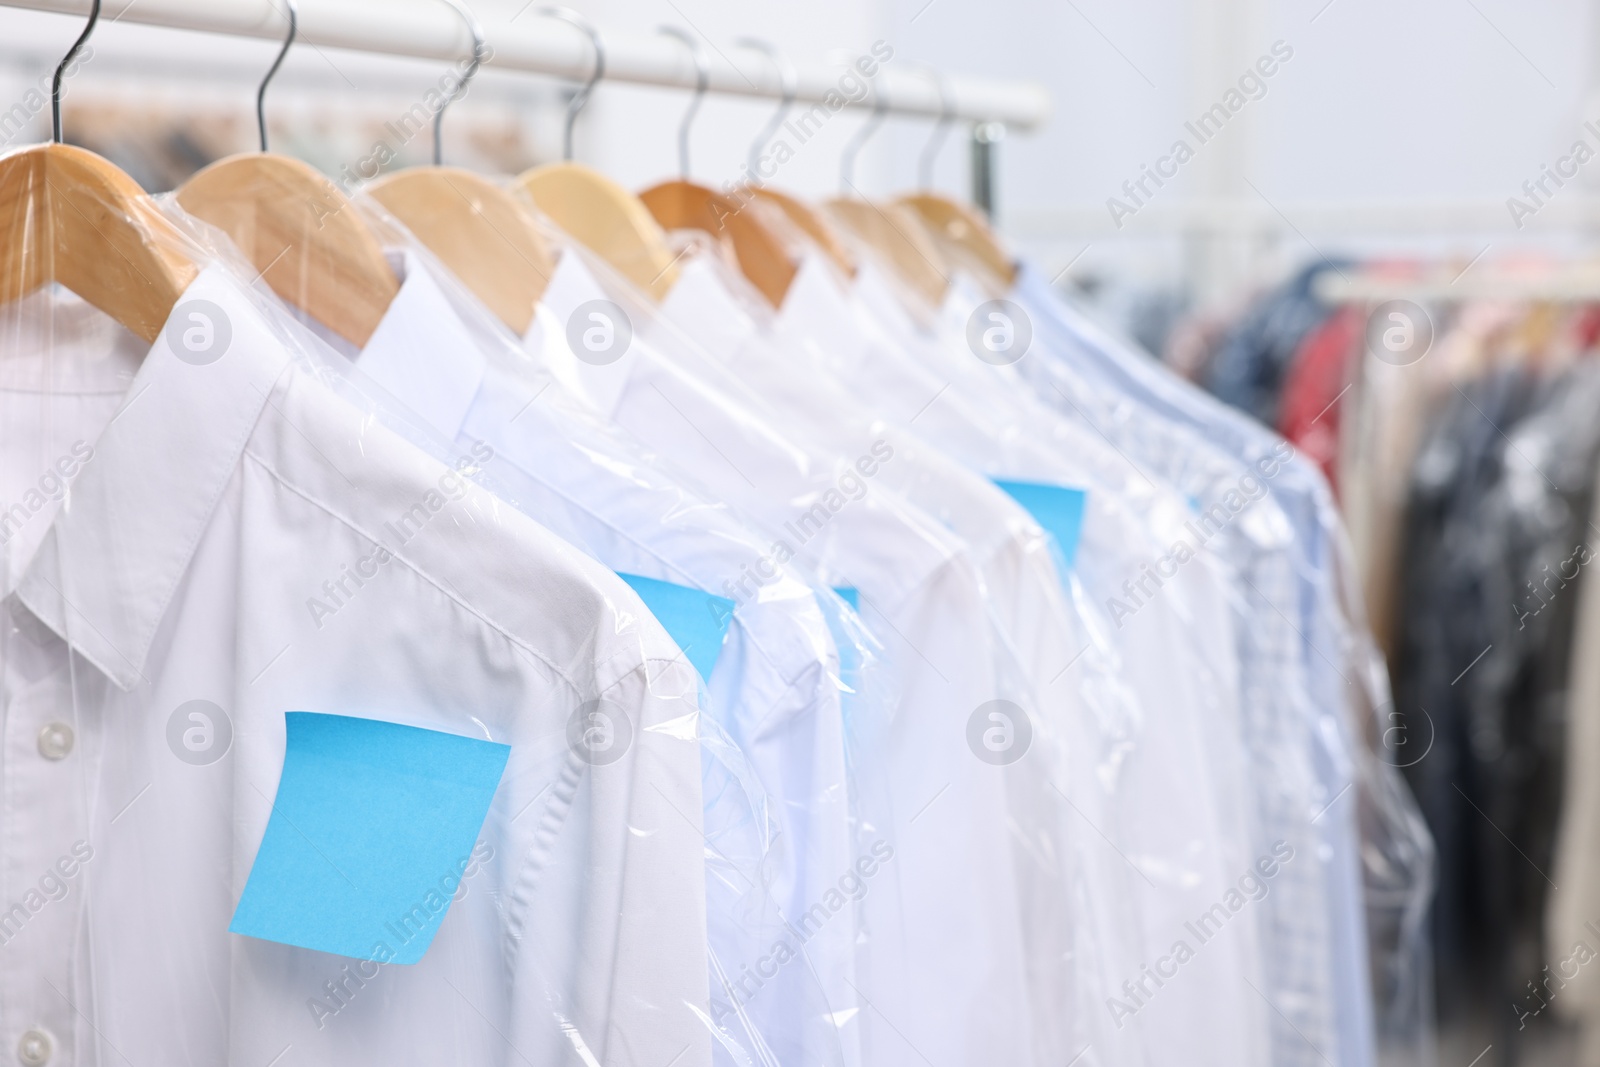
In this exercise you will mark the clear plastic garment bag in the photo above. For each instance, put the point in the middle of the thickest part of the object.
(268, 635)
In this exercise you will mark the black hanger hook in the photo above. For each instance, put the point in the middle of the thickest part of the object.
(852, 148)
(261, 93)
(702, 78)
(474, 28)
(581, 97)
(789, 86)
(61, 69)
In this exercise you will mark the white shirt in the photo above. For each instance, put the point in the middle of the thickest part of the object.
(219, 499)
(1024, 605)
(942, 966)
(776, 687)
(1175, 811)
(1179, 805)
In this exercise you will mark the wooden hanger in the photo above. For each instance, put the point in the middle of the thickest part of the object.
(596, 211)
(476, 228)
(299, 230)
(810, 223)
(897, 234)
(815, 225)
(606, 219)
(70, 217)
(761, 252)
(964, 236)
(310, 244)
(769, 262)
(894, 232)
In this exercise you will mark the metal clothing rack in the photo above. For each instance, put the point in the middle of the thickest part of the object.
(1574, 283)
(1249, 217)
(537, 44)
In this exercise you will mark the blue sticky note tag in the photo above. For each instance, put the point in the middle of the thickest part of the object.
(1055, 507)
(696, 620)
(371, 832)
(850, 595)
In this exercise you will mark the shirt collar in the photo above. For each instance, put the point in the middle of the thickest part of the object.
(58, 343)
(702, 305)
(111, 562)
(876, 291)
(816, 309)
(423, 353)
(576, 307)
(961, 299)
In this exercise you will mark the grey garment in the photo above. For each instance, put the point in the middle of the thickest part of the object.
(1458, 652)
(1537, 514)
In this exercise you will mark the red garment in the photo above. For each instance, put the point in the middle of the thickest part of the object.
(1587, 328)
(1309, 412)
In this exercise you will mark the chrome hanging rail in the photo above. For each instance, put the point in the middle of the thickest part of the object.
(536, 44)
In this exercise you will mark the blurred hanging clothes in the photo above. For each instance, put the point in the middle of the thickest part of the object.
(1309, 413)
(1535, 523)
(1193, 342)
(1444, 632)
(1571, 914)
(1250, 368)
(1385, 420)
(1495, 545)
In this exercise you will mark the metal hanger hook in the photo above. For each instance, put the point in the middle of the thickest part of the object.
(66, 61)
(941, 128)
(476, 29)
(789, 82)
(581, 97)
(261, 93)
(702, 78)
(852, 148)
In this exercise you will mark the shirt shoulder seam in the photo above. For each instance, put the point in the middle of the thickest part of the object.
(444, 589)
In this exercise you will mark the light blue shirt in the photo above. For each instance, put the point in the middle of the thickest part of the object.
(1202, 445)
(945, 950)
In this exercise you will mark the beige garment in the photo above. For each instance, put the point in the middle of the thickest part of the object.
(1386, 414)
(1573, 914)
(1389, 408)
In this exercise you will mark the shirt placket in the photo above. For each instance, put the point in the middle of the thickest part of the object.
(43, 846)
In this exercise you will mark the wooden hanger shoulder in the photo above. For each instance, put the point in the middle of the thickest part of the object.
(961, 229)
(302, 233)
(71, 217)
(479, 231)
(900, 238)
(606, 219)
(814, 225)
(764, 257)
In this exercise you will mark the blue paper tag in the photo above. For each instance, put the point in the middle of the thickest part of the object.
(850, 595)
(696, 620)
(371, 832)
(1055, 507)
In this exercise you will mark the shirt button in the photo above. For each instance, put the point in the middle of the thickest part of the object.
(34, 1048)
(55, 741)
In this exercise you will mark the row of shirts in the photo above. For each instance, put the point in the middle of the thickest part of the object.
(859, 689)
